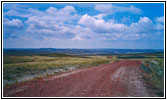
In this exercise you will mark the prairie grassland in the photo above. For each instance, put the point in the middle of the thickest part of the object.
(22, 68)
(155, 70)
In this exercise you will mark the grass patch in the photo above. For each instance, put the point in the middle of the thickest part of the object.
(155, 70)
(146, 69)
(55, 55)
(114, 59)
(16, 68)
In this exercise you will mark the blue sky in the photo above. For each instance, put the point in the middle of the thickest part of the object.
(83, 25)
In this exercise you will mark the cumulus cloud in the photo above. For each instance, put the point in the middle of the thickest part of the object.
(100, 25)
(66, 11)
(160, 23)
(160, 19)
(110, 9)
(11, 28)
(52, 21)
(51, 11)
(100, 16)
(53, 14)
(15, 23)
(65, 23)
(110, 30)
(144, 25)
(82, 33)
(16, 13)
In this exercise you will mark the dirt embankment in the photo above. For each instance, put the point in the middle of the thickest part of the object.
(120, 79)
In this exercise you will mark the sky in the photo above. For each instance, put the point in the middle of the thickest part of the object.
(83, 25)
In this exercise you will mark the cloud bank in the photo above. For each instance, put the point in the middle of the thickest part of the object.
(66, 23)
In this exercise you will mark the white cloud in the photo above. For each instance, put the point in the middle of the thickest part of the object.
(100, 16)
(61, 24)
(144, 25)
(104, 8)
(160, 19)
(15, 23)
(82, 33)
(109, 30)
(52, 21)
(77, 37)
(159, 26)
(35, 12)
(100, 25)
(54, 14)
(11, 13)
(16, 13)
(160, 23)
(110, 9)
(51, 10)
(67, 10)
(59, 14)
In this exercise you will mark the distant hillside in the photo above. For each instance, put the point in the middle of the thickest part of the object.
(77, 51)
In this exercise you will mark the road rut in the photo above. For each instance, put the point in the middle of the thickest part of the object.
(119, 79)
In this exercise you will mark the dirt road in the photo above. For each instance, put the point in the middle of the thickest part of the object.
(120, 79)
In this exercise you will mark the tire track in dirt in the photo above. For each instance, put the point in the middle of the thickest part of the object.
(120, 79)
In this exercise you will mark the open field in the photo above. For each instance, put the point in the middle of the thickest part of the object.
(148, 73)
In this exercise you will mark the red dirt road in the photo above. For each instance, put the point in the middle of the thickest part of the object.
(120, 79)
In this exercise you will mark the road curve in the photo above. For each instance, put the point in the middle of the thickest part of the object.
(119, 79)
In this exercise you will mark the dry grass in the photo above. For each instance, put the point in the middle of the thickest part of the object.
(16, 68)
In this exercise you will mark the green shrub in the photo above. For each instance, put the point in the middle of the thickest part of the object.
(156, 73)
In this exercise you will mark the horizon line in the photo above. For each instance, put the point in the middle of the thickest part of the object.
(87, 48)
